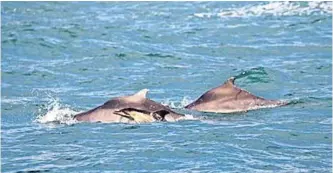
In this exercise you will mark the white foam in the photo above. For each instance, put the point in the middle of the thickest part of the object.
(188, 117)
(56, 113)
(202, 15)
(284, 8)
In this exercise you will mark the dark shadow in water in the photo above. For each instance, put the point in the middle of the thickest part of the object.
(307, 23)
(255, 75)
(131, 127)
(33, 171)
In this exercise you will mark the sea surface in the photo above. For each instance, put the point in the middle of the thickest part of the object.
(61, 58)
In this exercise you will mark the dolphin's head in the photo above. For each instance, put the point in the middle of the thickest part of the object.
(160, 115)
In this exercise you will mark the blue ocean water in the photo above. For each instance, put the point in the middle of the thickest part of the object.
(60, 58)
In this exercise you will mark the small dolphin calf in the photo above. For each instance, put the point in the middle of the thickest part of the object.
(129, 109)
(228, 98)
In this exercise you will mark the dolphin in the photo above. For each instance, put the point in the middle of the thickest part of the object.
(228, 98)
(132, 109)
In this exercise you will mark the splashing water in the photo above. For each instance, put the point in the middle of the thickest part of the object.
(56, 113)
(175, 104)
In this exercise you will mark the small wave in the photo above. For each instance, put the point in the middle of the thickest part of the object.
(273, 9)
(56, 113)
(327, 121)
(16, 100)
(173, 66)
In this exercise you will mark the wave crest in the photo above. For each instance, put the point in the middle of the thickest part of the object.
(273, 9)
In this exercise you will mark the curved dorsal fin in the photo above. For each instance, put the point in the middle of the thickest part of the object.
(230, 81)
(142, 93)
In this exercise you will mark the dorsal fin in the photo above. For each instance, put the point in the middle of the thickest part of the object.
(142, 93)
(230, 81)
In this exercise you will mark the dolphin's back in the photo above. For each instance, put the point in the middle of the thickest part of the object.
(228, 98)
(143, 104)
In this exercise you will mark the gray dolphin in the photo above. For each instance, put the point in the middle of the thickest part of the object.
(129, 109)
(228, 98)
